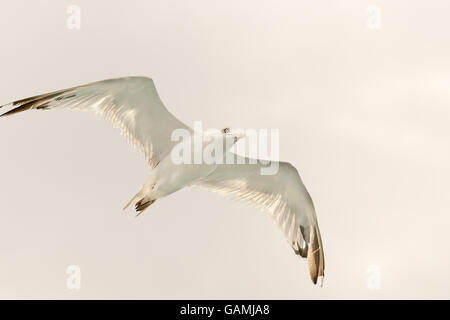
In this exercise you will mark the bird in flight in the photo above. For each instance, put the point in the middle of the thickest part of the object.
(132, 105)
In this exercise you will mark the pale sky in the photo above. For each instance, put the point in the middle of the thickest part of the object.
(362, 110)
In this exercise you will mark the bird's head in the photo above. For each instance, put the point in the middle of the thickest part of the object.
(233, 134)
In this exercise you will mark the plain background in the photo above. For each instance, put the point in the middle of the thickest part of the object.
(363, 114)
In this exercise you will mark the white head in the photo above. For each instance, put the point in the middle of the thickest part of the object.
(233, 134)
(224, 138)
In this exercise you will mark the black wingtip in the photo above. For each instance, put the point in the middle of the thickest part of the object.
(16, 110)
(37, 102)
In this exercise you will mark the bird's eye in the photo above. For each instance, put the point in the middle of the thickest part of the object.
(226, 130)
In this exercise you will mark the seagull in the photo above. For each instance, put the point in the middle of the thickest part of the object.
(132, 105)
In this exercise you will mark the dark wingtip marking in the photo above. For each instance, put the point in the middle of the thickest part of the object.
(66, 97)
(141, 206)
(37, 102)
(302, 252)
(16, 110)
(38, 98)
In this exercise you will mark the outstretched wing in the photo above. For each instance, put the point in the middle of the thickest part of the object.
(283, 195)
(131, 104)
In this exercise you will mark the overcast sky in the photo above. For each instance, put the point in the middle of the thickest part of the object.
(358, 89)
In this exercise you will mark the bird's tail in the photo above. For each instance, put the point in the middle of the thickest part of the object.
(141, 202)
(132, 200)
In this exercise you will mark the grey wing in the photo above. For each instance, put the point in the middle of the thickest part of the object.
(283, 195)
(131, 104)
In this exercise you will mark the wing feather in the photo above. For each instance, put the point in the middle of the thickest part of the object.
(131, 104)
(283, 195)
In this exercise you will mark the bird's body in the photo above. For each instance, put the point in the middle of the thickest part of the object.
(167, 178)
(133, 105)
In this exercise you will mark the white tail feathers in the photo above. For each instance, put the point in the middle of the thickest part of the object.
(141, 202)
(133, 200)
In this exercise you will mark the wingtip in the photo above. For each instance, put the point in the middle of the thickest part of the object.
(316, 257)
(17, 109)
(320, 281)
(5, 106)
